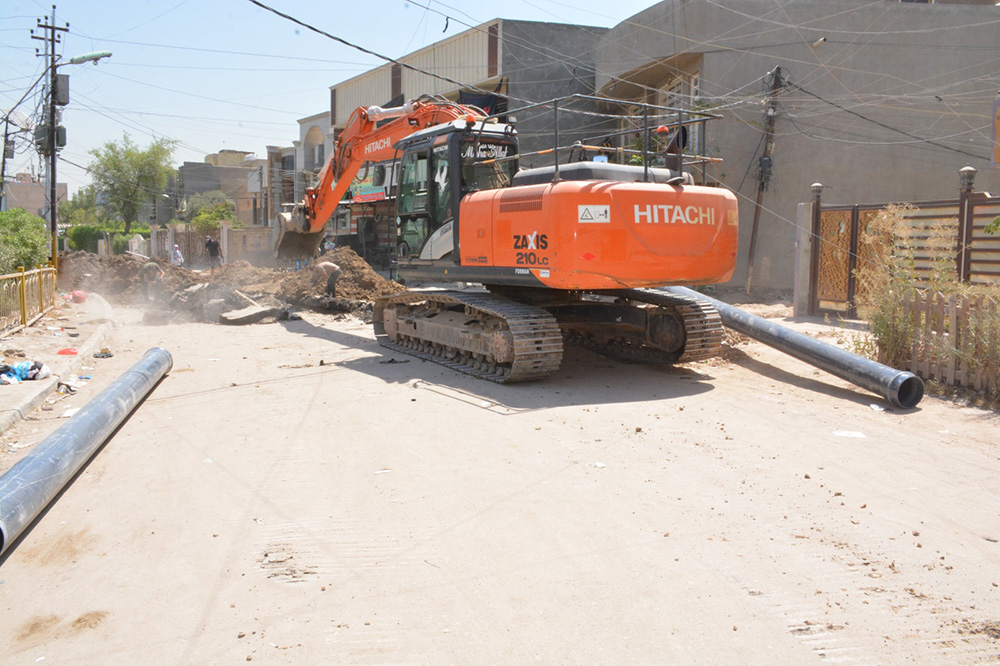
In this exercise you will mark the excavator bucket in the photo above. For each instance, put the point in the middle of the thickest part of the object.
(293, 243)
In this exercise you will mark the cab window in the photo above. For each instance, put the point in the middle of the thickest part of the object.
(442, 185)
(412, 195)
(485, 166)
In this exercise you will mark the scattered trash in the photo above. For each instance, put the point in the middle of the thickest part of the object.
(103, 354)
(69, 412)
(65, 388)
(382, 471)
(79, 296)
(849, 433)
(394, 360)
(69, 351)
(23, 371)
(85, 377)
(877, 408)
(599, 465)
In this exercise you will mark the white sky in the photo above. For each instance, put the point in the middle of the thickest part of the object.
(226, 74)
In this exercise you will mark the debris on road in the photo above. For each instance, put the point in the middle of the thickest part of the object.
(188, 295)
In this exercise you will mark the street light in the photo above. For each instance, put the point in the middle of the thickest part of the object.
(88, 57)
(51, 132)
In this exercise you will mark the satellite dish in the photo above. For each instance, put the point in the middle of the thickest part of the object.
(19, 119)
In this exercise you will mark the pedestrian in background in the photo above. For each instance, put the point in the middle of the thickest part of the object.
(214, 253)
(176, 258)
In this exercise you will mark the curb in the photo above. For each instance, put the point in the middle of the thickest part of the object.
(62, 367)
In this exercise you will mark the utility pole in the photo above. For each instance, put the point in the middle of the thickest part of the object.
(8, 153)
(764, 164)
(51, 38)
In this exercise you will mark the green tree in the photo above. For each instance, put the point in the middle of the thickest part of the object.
(207, 219)
(196, 202)
(129, 176)
(24, 240)
(82, 208)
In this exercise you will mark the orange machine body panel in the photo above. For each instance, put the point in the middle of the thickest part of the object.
(580, 234)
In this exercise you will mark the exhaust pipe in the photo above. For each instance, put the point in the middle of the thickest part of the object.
(901, 388)
(28, 487)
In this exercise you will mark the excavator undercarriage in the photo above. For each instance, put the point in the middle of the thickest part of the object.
(492, 337)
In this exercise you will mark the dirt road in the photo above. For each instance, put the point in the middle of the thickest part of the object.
(376, 509)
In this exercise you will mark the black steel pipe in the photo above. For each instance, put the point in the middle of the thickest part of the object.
(28, 487)
(901, 388)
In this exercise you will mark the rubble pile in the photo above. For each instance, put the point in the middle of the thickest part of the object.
(197, 295)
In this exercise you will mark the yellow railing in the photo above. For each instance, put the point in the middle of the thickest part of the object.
(25, 296)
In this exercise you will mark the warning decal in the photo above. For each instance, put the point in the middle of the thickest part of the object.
(593, 214)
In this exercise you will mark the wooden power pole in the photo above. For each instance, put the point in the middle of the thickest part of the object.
(764, 164)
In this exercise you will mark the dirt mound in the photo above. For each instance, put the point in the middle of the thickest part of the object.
(201, 295)
(119, 277)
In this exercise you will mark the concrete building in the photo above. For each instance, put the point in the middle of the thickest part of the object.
(30, 194)
(878, 101)
(280, 180)
(237, 174)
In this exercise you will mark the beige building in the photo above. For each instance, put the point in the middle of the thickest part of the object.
(30, 194)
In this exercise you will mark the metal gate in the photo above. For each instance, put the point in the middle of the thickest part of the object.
(837, 251)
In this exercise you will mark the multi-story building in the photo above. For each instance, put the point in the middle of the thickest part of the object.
(877, 101)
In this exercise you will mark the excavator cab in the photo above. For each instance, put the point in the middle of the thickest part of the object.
(436, 171)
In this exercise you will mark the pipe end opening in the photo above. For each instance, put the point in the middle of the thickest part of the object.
(910, 391)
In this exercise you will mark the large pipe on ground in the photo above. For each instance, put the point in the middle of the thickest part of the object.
(28, 487)
(901, 388)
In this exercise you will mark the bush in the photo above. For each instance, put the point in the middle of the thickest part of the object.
(24, 240)
(888, 278)
(84, 237)
(119, 243)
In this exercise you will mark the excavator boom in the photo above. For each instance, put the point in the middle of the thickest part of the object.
(362, 141)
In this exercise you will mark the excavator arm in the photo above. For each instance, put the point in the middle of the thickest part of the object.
(362, 141)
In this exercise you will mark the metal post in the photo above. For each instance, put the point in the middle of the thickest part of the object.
(41, 288)
(22, 294)
(814, 239)
(967, 178)
(680, 148)
(555, 114)
(645, 143)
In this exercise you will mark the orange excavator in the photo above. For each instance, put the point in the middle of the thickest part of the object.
(564, 253)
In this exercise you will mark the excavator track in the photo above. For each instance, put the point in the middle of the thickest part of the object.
(531, 335)
(702, 327)
(702, 323)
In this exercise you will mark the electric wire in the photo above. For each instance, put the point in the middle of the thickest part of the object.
(889, 127)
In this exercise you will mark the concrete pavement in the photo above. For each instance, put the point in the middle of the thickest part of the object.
(91, 321)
